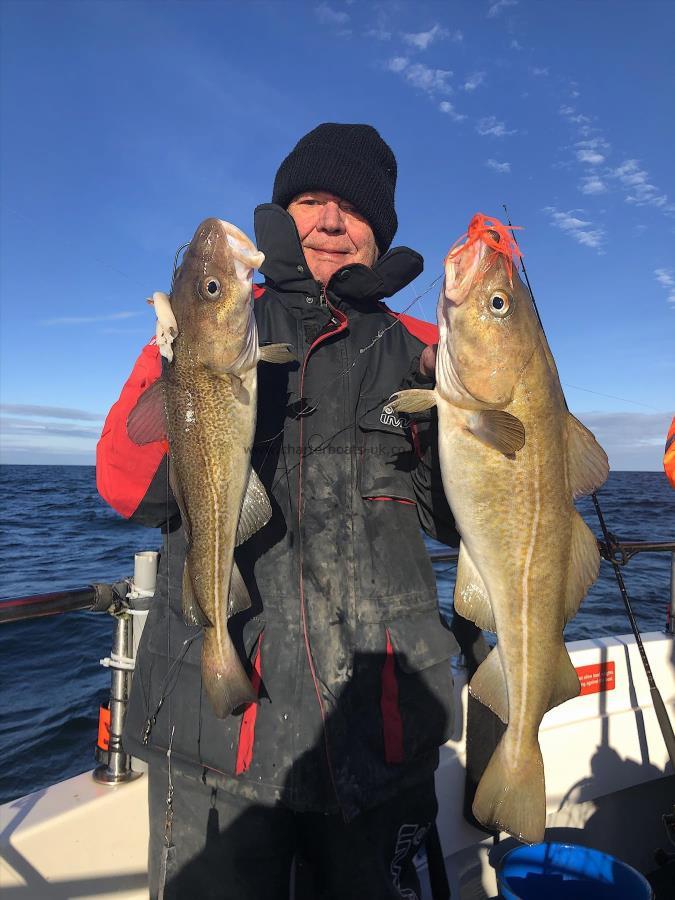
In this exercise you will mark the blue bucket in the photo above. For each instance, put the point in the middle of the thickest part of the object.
(568, 872)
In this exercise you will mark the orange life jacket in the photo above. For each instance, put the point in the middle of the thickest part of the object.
(669, 455)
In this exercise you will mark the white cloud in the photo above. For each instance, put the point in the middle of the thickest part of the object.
(538, 72)
(380, 34)
(380, 30)
(87, 320)
(427, 79)
(633, 441)
(569, 113)
(397, 63)
(432, 81)
(596, 143)
(490, 125)
(12, 427)
(514, 45)
(329, 16)
(50, 412)
(666, 280)
(582, 231)
(422, 39)
(640, 191)
(496, 7)
(474, 81)
(592, 157)
(501, 167)
(592, 184)
(457, 36)
(448, 108)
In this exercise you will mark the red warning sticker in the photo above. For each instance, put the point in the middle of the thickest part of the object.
(596, 678)
(103, 727)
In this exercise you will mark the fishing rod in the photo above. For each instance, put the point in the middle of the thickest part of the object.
(611, 545)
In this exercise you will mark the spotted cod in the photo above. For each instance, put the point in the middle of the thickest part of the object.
(513, 460)
(205, 404)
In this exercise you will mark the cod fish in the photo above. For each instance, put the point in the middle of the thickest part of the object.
(513, 460)
(205, 405)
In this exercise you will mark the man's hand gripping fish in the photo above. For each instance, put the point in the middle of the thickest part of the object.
(205, 404)
(513, 460)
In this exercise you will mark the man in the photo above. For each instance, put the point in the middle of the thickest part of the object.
(335, 763)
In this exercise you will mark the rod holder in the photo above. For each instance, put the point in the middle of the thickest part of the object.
(121, 664)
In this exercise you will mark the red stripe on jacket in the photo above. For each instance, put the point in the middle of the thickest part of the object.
(247, 727)
(392, 723)
(123, 469)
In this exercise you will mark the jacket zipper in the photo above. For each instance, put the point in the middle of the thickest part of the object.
(323, 300)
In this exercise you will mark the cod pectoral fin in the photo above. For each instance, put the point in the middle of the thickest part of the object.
(588, 463)
(489, 685)
(147, 420)
(255, 509)
(498, 429)
(415, 400)
(471, 597)
(277, 353)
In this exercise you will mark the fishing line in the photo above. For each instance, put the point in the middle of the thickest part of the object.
(611, 546)
(610, 396)
(176, 267)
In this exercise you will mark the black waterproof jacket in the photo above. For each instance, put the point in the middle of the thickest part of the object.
(344, 640)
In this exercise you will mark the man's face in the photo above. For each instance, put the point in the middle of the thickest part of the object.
(332, 233)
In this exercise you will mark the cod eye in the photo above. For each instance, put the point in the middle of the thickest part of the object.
(211, 288)
(500, 304)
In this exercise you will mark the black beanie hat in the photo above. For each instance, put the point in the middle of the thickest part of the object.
(350, 161)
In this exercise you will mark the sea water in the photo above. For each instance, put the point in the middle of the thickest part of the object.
(57, 533)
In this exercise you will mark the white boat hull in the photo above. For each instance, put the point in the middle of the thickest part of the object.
(608, 781)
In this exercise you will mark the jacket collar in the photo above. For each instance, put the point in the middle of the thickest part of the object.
(285, 266)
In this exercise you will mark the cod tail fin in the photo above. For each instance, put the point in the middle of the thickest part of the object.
(512, 797)
(226, 684)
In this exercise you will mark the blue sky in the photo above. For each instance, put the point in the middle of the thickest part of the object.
(124, 124)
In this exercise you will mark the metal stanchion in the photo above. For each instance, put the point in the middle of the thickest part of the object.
(121, 662)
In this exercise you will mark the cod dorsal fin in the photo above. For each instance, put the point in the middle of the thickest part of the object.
(489, 685)
(471, 597)
(584, 565)
(255, 510)
(238, 599)
(588, 464)
(565, 684)
(192, 611)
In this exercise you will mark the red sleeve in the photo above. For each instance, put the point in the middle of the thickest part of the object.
(124, 470)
